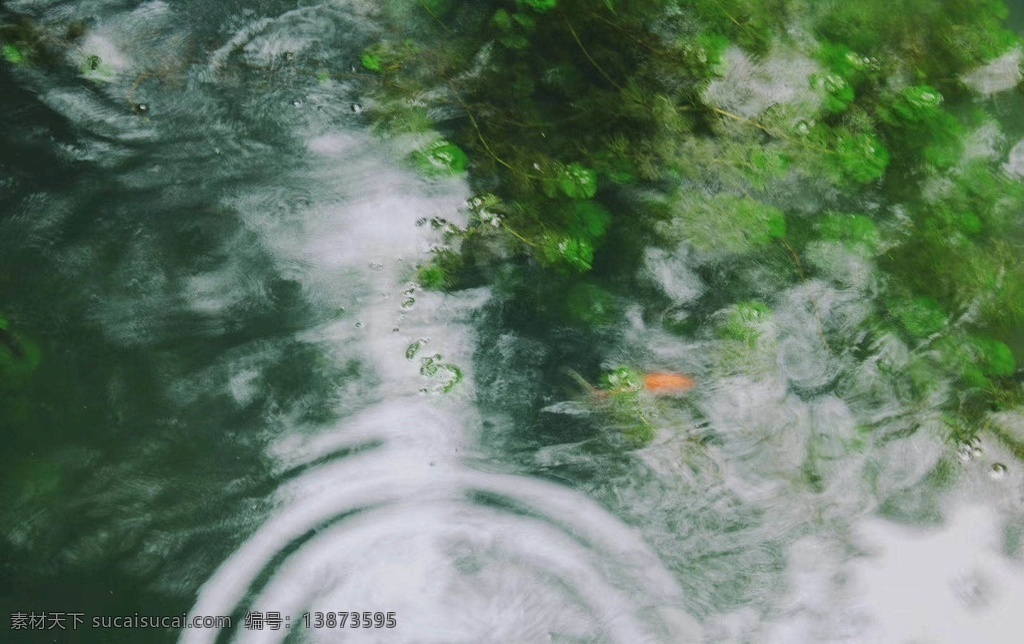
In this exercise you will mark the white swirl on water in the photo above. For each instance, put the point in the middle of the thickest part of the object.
(397, 532)
(382, 514)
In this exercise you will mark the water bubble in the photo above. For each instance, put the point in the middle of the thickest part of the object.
(141, 108)
(974, 445)
(357, 108)
(998, 471)
(359, 325)
(297, 104)
(964, 453)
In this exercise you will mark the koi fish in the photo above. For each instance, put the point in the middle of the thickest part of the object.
(659, 383)
(662, 383)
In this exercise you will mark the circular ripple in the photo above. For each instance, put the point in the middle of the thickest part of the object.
(458, 555)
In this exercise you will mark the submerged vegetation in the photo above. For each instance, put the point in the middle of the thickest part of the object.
(591, 132)
(634, 123)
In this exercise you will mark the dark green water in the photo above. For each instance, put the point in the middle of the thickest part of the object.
(242, 396)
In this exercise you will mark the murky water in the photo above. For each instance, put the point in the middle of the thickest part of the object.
(246, 403)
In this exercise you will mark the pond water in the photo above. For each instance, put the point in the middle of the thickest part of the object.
(246, 403)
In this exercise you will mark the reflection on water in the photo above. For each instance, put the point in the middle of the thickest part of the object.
(247, 403)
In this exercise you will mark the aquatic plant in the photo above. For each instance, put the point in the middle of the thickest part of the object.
(578, 122)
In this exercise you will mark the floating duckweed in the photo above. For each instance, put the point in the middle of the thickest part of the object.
(728, 223)
(540, 6)
(917, 103)
(839, 94)
(569, 252)
(432, 277)
(448, 374)
(441, 272)
(441, 157)
(451, 375)
(371, 61)
(766, 165)
(977, 359)
(861, 156)
(622, 380)
(744, 322)
(429, 365)
(502, 20)
(845, 62)
(995, 357)
(414, 348)
(387, 57)
(96, 70)
(13, 55)
(921, 317)
(854, 229)
(576, 181)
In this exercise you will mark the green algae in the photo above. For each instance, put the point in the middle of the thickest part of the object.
(587, 126)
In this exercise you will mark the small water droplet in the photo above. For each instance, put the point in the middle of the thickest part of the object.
(357, 108)
(297, 104)
(359, 325)
(141, 108)
(998, 471)
(964, 453)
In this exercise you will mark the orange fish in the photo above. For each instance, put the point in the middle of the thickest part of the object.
(667, 383)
